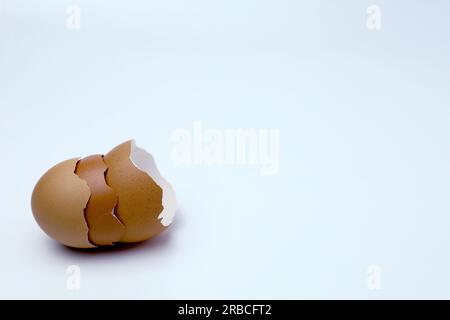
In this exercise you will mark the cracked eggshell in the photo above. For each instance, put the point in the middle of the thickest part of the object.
(146, 202)
(105, 228)
(58, 203)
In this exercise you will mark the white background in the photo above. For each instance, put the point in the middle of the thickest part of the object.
(364, 144)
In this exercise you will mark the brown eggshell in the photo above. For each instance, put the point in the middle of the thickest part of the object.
(58, 203)
(139, 197)
(104, 227)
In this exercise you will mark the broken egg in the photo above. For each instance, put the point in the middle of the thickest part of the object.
(101, 200)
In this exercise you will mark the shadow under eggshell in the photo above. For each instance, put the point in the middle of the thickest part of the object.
(59, 215)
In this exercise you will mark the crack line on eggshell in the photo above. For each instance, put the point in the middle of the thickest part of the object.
(114, 211)
(85, 205)
(111, 213)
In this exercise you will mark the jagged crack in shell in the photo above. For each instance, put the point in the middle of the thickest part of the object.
(105, 228)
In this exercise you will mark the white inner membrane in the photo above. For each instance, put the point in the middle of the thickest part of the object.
(144, 161)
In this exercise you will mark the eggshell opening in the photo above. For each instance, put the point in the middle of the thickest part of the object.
(104, 227)
(144, 161)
